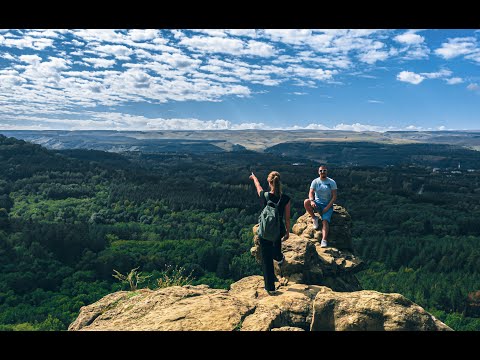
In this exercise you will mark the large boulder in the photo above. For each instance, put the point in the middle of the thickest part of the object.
(172, 308)
(339, 234)
(247, 307)
(307, 263)
(370, 310)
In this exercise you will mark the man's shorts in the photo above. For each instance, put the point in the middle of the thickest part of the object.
(322, 205)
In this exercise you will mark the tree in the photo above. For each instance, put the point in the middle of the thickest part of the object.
(4, 222)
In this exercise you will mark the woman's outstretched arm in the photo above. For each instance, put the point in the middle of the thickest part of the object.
(257, 183)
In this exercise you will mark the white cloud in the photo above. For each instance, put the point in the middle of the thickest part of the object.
(409, 38)
(211, 32)
(119, 51)
(410, 77)
(10, 78)
(100, 63)
(456, 47)
(414, 128)
(227, 46)
(250, 126)
(329, 61)
(187, 124)
(178, 34)
(360, 127)
(27, 42)
(439, 74)
(46, 72)
(77, 43)
(46, 33)
(322, 43)
(289, 36)
(363, 32)
(304, 83)
(312, 73)
(475, 56)
(312, 127)
(413, 78)
(142, 35)
(7, 56)
(258, 48)
(100, 35)
(147, 39)
(31, 59)
(120, 121)
(177, 61)
(213, 44)
(375, 101)
(242, 32)
(473, 86)
(454, 81)
(415, 52)
(372, 56)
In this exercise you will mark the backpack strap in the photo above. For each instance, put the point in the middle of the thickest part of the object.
(265, 195)
(268, 199)
(278, 203)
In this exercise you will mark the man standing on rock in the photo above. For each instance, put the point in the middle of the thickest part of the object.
(322, 195)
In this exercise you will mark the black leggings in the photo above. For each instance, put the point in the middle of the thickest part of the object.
(270, 250)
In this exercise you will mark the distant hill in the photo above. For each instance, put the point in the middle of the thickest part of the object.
(208, 141)
(378, 154)
(113, 141)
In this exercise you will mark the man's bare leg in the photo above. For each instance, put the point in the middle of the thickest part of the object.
(308, 207)
(325, 230)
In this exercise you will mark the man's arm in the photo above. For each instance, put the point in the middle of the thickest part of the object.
(330, 204)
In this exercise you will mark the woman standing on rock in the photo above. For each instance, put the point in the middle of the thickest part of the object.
(273, 250)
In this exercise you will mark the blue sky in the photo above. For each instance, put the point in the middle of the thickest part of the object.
(240, 79)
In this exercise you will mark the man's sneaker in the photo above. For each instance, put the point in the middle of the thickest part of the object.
(323, 243)
(271, 292)
(316, 224)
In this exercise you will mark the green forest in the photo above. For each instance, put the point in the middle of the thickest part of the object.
(69, 218)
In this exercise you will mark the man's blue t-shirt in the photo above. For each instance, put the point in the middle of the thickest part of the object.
(323, 189)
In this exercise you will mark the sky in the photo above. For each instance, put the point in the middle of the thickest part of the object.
(218, 79)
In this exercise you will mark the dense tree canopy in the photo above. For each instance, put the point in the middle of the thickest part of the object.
(68, 218)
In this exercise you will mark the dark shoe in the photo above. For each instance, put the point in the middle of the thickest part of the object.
(271, 292)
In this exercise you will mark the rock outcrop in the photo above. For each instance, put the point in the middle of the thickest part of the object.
(247, 307)
(370, 310)
(307, 263)
(317, 290)
(339, 236)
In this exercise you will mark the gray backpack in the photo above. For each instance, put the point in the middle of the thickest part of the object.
(269, 220)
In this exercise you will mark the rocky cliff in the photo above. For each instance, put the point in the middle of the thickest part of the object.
(317, 290)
